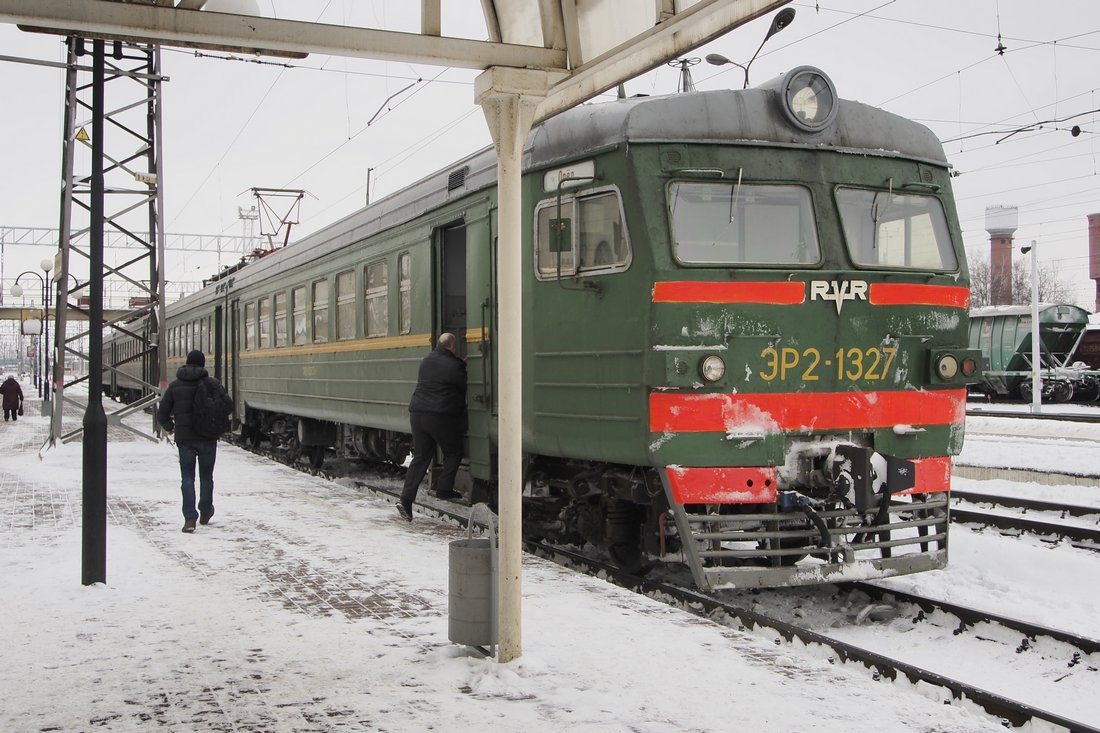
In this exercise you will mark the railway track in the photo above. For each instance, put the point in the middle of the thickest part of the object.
(1010, 712)
(970, 617)
(730, 612)
(1065, 417)
(1081, 536)
(1017, 502)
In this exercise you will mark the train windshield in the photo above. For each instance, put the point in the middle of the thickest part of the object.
(887, 229)
(732, 224)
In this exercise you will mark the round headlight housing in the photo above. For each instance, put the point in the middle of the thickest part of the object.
(809, 99)
(969, 366)
(712, 368)
(947, 366)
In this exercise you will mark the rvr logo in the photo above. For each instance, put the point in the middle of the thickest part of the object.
(838, 292)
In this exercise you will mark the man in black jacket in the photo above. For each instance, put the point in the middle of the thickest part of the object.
(437, 414)
(174, 416)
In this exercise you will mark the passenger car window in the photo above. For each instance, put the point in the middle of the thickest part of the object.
(249, 326)
(726, 223)
(280, 319)
(298, 303)
(377, 300)
(320, 311)
(345, 306)
(265, 323)
(404, 286)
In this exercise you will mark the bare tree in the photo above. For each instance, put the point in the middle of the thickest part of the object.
(980, 283)
(1052, 289)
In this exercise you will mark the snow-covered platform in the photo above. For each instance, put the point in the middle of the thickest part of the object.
(310, 606)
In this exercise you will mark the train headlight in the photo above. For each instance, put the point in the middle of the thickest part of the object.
(712, 368)
(947, 366)
(809, 98)
(969, 366)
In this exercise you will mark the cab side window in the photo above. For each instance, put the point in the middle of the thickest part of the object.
(585, 235)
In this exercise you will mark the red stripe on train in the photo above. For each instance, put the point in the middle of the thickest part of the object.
(722, 484)
(910, 294)
(698, 291)
(694, 413)
(759, 484)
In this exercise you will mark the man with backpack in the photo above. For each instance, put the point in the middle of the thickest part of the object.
(196, 409)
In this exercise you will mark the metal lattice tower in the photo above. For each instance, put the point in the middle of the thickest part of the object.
(133, 209)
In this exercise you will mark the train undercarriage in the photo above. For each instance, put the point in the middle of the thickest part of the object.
(844, 513)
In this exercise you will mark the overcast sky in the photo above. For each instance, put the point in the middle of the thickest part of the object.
(231, 125)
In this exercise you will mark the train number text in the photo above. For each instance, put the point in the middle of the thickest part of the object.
(853, 364)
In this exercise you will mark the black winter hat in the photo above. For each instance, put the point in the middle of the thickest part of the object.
(196, 357)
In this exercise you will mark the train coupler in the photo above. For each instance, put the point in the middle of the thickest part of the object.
(865, 477)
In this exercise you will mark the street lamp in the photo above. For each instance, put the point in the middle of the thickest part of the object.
(1036, 375)
(17, 290)
(781, 20)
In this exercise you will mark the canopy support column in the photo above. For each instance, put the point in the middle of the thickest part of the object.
(508, 97)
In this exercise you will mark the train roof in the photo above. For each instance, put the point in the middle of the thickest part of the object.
(738, 116)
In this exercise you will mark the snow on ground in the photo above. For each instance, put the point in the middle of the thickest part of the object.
(308, 606)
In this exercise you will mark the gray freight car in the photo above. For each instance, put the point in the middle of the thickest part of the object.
(1003, 334)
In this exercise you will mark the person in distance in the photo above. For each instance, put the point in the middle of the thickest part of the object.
(13, 398)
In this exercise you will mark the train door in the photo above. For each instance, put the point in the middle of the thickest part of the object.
(217, 340)
(452, 285)
(465, 263)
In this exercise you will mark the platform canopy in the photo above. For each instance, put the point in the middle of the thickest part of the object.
(588, 46)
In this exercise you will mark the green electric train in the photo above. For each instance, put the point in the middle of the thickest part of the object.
(745, 331)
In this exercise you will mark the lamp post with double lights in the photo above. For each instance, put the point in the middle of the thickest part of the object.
(44, 345)
(781, 20)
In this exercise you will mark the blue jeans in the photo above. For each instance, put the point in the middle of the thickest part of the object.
(205, 452)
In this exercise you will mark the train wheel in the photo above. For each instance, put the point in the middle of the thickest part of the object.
(1062, 391)
(627, 557)
(1025, 390)
(316, 456)
(1087, 390)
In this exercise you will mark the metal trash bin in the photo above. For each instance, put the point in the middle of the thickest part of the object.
(471, 595)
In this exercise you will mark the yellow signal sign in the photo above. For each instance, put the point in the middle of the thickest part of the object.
(82, 135)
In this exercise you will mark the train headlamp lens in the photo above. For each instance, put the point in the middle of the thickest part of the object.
(947, 366)
(712, 368)
(809, 98)
(969, 366)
